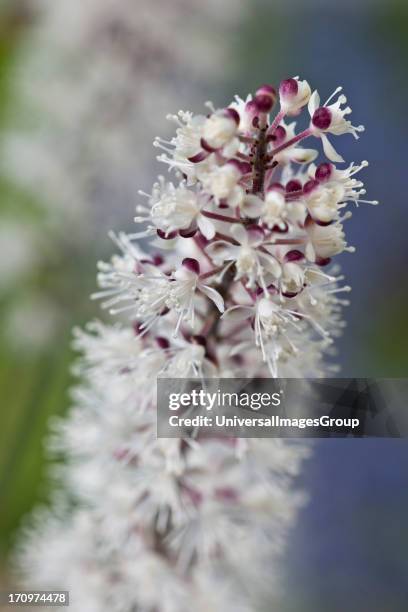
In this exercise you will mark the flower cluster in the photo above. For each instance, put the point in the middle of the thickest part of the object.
(236, 284)
(248, 230)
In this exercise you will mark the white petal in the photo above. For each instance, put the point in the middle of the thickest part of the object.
(252, 206)
(206, 227)
(239, 233)
(255, 236)
(221, 251)
(311, 170)
(329, 150)
(310, 252)
(303, 156)
(236, 197)
(238, 313)
(314, 103)
(213, 295)
(272, 265)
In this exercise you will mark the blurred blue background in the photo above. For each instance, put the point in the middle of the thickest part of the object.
(349, 549)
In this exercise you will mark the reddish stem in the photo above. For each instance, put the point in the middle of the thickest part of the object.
(211, 272)
(276, 121)
(292, 141)
(218, 217)
(288, 241)
(220, 236)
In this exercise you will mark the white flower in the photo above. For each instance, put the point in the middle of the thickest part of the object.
(251, 262)
(331, 119)
(324, 200)
(331, 176)
(292, 278)
(293, 95)
(220, 128)
(325, 241)
(182, 291)
(176, 208)
(222, 183)
(149, 295)
(272, 209)
(188, 359)
(185, 145)
(107, 348)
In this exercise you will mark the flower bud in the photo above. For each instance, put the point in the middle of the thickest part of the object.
(278, 136)
(294, 255)
(265, 98)
(324, 172)
(191, 265)
(166, 235)
(293, 185)
(162, 342)
(322, 118)
(310, 186)
(251, 118)
(293, 94)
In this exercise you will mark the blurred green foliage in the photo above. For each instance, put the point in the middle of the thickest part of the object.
(32, 386)
(32, 391)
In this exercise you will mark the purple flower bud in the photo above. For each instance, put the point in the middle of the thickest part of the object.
(267, 90)
(162, 343)
(310, 186)
(265, 98)
(324, 172)
(191, 264)
(198, 157)
(206, 146)
(323, 223)
(251, 109)
(280, 229)
(157, 260)
(294, 255)
(322, 261)
(293, 185)
(242, 166)
(189, 232)
(166, 235)
(322, 118)
(278, 135)
(290, 294)
(288, 88)
(198, 339)
(232, 114)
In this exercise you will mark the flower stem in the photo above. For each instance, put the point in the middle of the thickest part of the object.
(292, 141)
(218, 217)
(211, 272)
(276, 121)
